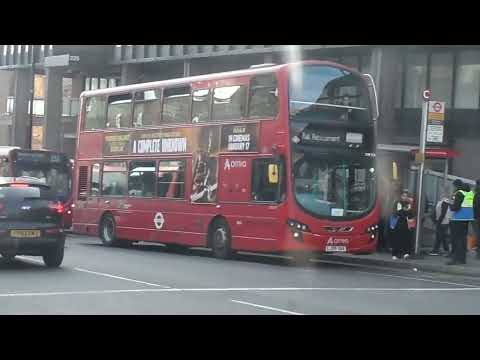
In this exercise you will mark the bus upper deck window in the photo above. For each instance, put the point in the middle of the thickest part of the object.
(263, 96)
(228, 103)
(176, 105)
(95, 113)
(119, 112)
(201, 105)
(147, 108)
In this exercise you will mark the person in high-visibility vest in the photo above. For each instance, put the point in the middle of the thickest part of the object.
(462, 207)
(476, 215)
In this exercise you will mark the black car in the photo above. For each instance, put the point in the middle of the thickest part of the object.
(30, 221)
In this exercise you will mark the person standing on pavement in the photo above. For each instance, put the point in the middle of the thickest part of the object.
(401, 234)
(441, 218)
(462, 208)
(476, 215)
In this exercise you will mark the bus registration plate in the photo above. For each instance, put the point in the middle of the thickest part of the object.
(330, 248)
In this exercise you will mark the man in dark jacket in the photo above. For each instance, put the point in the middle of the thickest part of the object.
(441, 215)
(476, 215)
(462, 207)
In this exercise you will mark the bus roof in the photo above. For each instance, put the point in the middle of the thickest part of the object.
(207, 77)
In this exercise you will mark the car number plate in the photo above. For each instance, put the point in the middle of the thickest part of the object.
(336, 249)
(25, 233)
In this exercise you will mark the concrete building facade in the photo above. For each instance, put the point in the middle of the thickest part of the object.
(401, 73)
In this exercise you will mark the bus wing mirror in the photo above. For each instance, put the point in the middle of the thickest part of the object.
(372, 90)
(273, 173)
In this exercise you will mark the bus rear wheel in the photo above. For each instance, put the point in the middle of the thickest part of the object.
(107, 231)
(221, 240)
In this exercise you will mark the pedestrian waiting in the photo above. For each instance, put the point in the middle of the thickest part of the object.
(441, 216)
(400, 226)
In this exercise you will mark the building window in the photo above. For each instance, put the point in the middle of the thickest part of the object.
(95, 180)
(416, 80)
(93, 83)
(263, 96)
(171, 179)
(467, 86)
(141, 178)
(112, 82)
(201, 105)
(119, 112)
(366, 64)
(176, 105)
(228, 103)
(114, 179)
(87, 83)
(441, 77)
(147, 108)
(95, 113)
(103, 83)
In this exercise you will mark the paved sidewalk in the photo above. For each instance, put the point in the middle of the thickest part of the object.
(425, 263)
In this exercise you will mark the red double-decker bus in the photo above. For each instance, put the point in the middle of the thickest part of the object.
(276, 158)
(53, 168)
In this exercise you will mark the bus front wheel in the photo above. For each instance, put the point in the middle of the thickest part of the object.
(107, 231)
(221, 240)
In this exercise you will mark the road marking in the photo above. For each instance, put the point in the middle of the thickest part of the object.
(103, 274)
(177, 290)
(267, 307)
(120, 278)
(415, 278)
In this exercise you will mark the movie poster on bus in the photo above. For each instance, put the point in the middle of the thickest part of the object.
(166, 141)
(239, 138)
(116, 144)
(205, 160)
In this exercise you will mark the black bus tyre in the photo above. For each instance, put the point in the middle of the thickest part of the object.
(108, 231)
(53, 257)
(221, 240)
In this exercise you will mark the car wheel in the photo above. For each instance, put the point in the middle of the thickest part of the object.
(107, 231)
(221, 240)
(53, 257)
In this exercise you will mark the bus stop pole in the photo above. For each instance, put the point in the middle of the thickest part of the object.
(421, 160)
(445, 176)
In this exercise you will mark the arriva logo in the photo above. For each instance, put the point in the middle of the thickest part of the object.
(234, 164)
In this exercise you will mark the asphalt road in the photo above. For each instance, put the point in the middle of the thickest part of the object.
(149, 279)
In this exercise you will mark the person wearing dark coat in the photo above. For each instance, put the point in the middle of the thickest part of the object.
(400, 234)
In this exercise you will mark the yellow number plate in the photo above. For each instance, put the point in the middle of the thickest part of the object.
(25, 233)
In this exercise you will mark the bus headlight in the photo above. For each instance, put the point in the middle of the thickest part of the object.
(296, 225)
